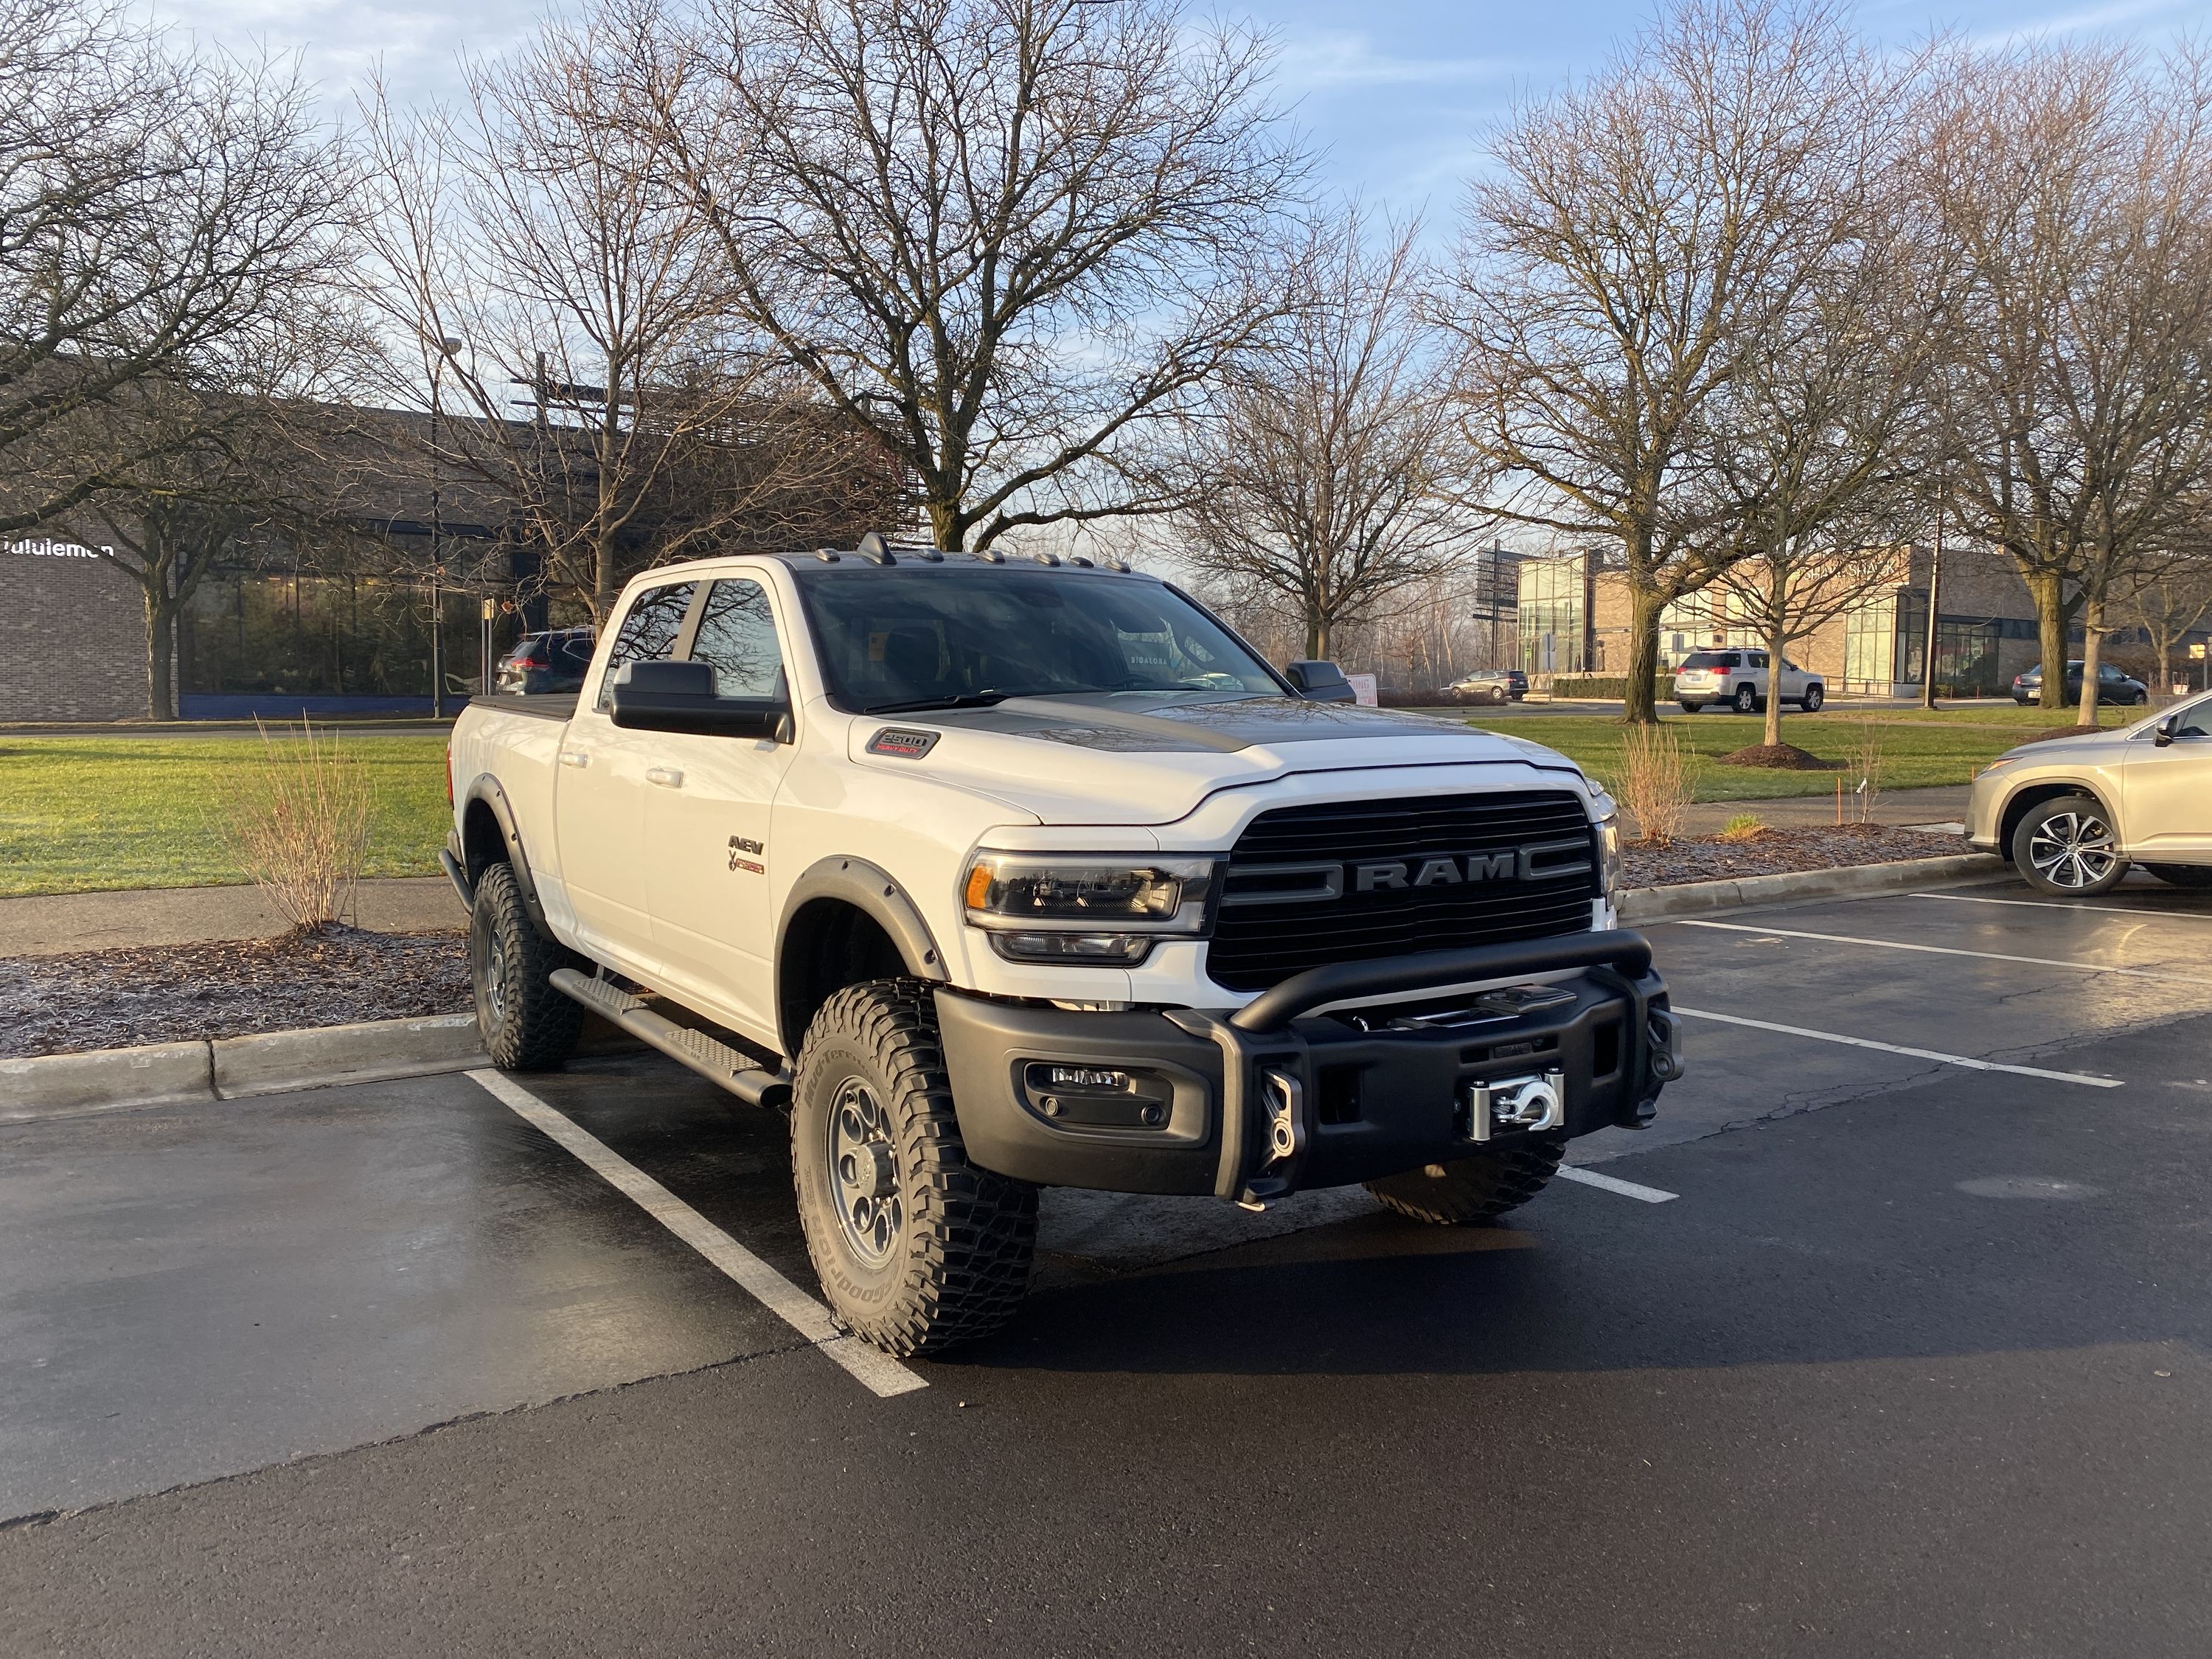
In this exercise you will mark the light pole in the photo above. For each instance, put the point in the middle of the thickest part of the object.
(1934, 579)
(447, 345)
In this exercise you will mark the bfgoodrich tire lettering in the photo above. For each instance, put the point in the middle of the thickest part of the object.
(1495, 1180)
(527, 1024)
(916, 1248)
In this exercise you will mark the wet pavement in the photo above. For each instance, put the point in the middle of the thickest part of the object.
(1911, 1358)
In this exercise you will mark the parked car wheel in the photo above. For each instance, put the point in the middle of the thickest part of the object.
(1691, 708)
(2066, 846)
(2182, 875)
(1495, 1180)
(1815, 697)
(1747, 701)
(915, 1246)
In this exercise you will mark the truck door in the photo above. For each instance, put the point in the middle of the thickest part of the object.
(707, 823)
(600, 789)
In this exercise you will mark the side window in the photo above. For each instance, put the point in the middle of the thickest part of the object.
(1758, 659)
(736, 634)
(2195, 722)
(648, 632)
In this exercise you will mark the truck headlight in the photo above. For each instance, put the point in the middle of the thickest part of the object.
(1107, 912)
(1608, 846)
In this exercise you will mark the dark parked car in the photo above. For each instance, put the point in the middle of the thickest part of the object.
(2112, 686)
(1491, 685)
(541, 662)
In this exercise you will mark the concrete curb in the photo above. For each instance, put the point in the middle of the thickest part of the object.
(1692, 897)
(227, 1068)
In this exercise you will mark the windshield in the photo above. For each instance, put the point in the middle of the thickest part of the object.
(1710, 659)
(897, 638)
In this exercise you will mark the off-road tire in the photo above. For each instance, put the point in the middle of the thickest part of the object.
(959, 1256)
(1495, 1180)
(2182, 875)
(526, 1025)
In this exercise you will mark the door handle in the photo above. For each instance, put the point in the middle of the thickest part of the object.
(574, 758)
(667, 776)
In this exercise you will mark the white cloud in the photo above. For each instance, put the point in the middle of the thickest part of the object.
(1338, 58)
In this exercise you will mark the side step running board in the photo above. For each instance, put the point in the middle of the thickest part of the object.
(717, 1062)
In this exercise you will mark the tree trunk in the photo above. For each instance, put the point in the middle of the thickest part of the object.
(2048, 588)
(161, 657)
(1639, 705)
(945, 530)
(1775, 642)
(2093, 618)
(1317, 634)
(605, 587)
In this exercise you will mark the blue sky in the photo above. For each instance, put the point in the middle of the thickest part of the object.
(1396, 95)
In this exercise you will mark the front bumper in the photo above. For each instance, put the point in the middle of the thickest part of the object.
(1274, 1098)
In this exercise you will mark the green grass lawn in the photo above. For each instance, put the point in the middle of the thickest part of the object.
(78, 814)
(1919, 750)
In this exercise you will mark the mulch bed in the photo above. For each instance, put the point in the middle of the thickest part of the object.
(172, 993)
(1773, 852)
(1780, 757)
(118, 998)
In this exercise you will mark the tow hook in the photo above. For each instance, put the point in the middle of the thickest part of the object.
(1283, 1098)
(1534, 1102)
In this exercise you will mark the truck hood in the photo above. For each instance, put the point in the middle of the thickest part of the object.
(1150, 758)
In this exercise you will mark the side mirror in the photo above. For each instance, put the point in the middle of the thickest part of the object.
(1319, 682)
(679, 696)
(2162, 733)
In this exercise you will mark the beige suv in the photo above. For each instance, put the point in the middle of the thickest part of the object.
(2074, 813)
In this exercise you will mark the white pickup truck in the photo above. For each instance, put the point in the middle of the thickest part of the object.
(998, 872)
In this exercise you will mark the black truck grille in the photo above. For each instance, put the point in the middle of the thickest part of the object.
(1466, 881)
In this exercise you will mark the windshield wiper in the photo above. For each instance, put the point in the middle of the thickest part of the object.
(965, 700)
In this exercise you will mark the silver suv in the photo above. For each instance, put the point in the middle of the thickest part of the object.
(1739, 679)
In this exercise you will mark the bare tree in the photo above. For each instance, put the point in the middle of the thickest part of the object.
(1013, 235)
(2173, 600)
(2074, 189)
(1634, 232)
(1325, 463)
(556, 288)
(156, 205)
(1811, 442)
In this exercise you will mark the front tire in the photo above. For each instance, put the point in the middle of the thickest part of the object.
(2182, 875)
(527, 1024)
(1493, 1180)
(1747, 701)
(916, 1249)
(2066, 846)
(1815, 697)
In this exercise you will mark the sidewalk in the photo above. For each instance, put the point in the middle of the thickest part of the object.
(65, 923)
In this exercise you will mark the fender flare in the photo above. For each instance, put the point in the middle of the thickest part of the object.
(486, 788)
(871, 889)
(2077, 786)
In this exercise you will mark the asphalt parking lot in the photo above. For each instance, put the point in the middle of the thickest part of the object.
(1890, 1338)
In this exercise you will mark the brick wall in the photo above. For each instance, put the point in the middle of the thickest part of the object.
(72, 637)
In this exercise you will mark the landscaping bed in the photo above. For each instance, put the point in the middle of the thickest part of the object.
(1777, 852)
(169, 993)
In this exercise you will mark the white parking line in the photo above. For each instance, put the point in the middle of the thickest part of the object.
(1966, 1060)
(2062, 904)
(1606, 1183)
(877, 1372)
(1950, 950)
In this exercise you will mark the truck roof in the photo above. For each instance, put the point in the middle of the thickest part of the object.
(876, 550)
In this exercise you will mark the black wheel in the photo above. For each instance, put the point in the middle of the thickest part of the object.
(2139, 699)
(2182, 875)
(528, 1025)
(1495, 1180)
(1691, 708)
(1747, 701)
(2067, 846)
(916, 1248)
(1815, 697)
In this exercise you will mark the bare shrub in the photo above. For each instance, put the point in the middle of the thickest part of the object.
(1866, 762)
(298, 822)
(1653, 783)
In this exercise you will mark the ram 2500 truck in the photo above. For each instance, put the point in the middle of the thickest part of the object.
(1000, 872)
